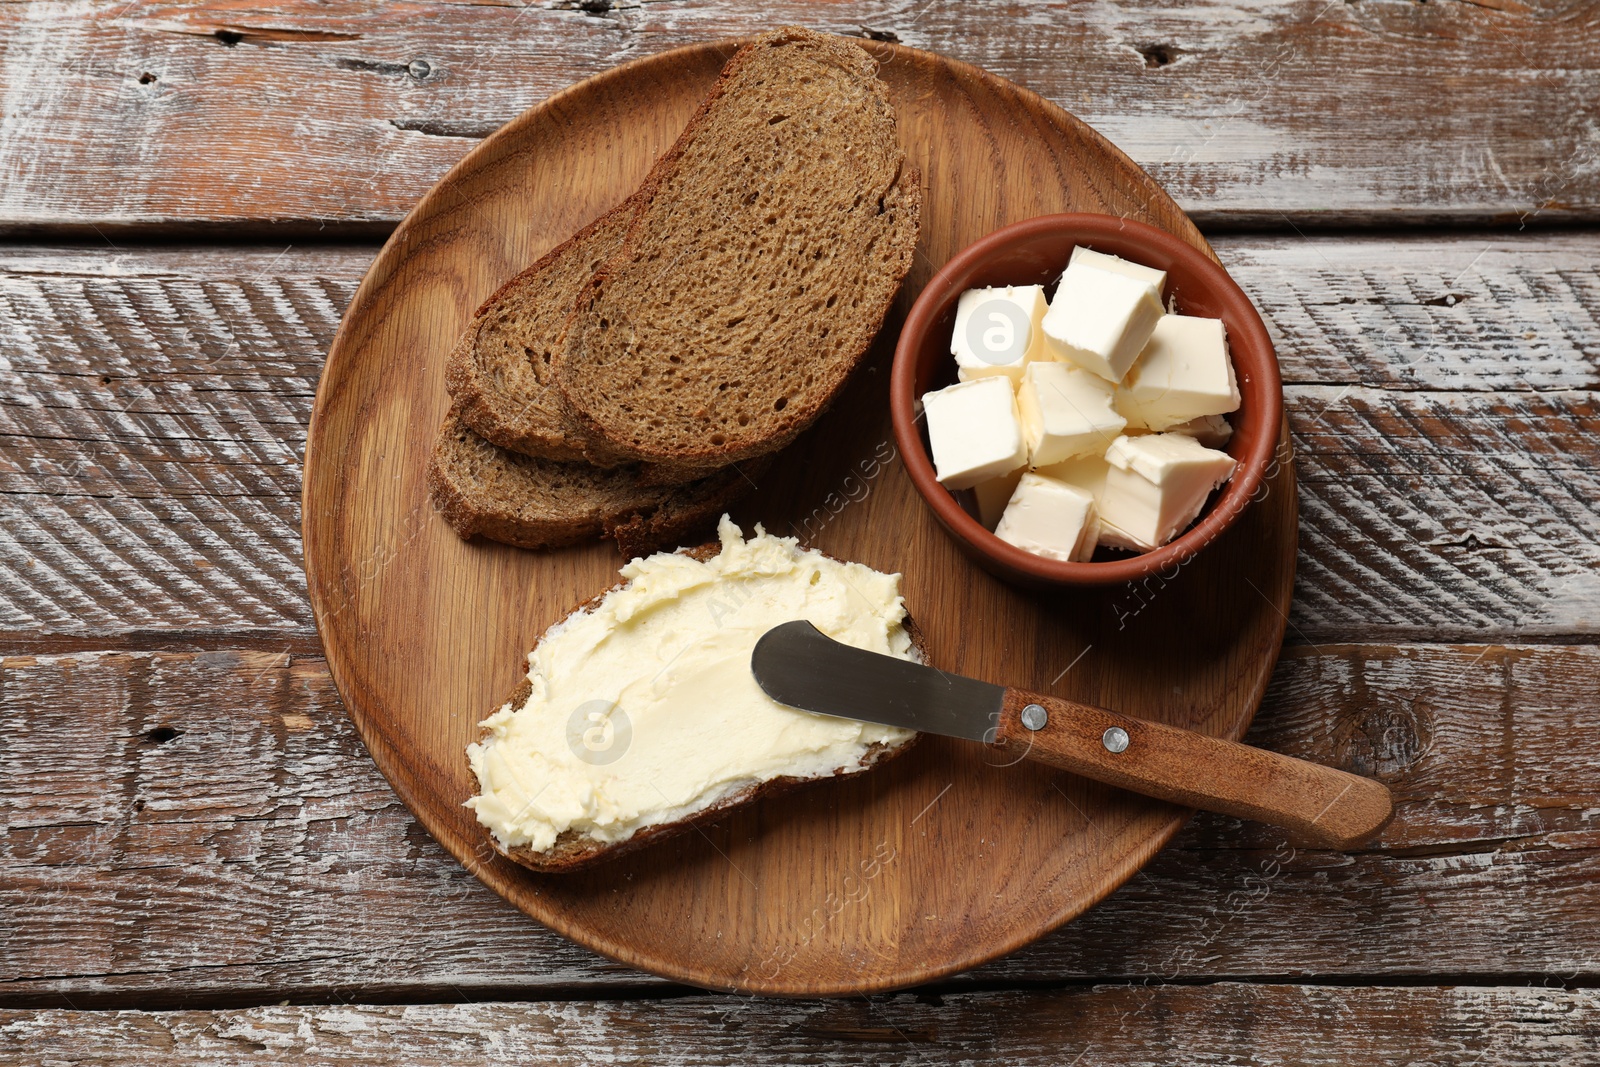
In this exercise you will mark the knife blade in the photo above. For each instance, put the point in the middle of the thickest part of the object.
(796, 664)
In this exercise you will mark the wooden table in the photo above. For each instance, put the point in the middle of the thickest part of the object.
(201, 864)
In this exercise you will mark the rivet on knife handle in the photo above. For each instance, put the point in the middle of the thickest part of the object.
(1322, 806)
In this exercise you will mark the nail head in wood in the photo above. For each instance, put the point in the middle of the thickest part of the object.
(1034, 717)
(1115, 739)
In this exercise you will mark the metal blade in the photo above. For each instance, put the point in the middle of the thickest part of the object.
(796, 664)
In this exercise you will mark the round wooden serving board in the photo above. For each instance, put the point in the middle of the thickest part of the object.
(934, 864)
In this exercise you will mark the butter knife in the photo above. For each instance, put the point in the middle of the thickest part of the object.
(797, 665)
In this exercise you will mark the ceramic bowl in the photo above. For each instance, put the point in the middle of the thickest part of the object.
(1035, 251)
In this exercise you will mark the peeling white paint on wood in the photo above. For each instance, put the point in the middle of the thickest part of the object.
(1432, 512)
(42, 44)
(1138, 1026)
(208, 825)
(1281, 114)
(1473, 313)
(211, 822)
(154, 409)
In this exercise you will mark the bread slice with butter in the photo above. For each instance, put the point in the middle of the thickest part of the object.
(481, 488)
(573, 851)
(639, 716)
(770, 242)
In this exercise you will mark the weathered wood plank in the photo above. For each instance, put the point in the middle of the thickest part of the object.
(1468, 313)
(1446, 513)
(219, 811)
(153, 408)
(1291, 113)
(154, 413)
(1472, 312)
(208, 825)
(154, 421)
(1226, 1023)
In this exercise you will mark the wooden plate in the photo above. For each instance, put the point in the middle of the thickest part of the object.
(940, 861)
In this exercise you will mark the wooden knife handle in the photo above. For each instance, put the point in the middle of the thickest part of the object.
(1321, 806)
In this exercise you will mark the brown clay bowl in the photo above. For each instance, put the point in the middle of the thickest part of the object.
(1035, 251)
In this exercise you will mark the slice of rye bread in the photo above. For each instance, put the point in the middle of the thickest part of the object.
(769, 245)
(500, 371)
(573, 851)
(481, 488)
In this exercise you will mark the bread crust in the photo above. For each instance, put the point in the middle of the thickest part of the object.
(667, 466)
(560, 437)
(676, 512)
(572, 851)
(478, 401)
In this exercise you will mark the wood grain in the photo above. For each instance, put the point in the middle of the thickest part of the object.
(344, 113)
(1463, 312)
(1505, 513)
(157, 509)
(1317, 806)
(186, 828)
(1224, 1023)
(154, 416)
(116, 494)
(880, 881)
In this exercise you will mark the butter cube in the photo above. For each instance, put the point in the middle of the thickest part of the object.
(1212, 431)
(998, 331)
(1050, 519)
(1085, 472)
(993, 496)
(1100, 320)
(1118, 265)
(1066, 412)
(1155, 487)
(1183, 373)
(1113, 537)
(974, 431)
